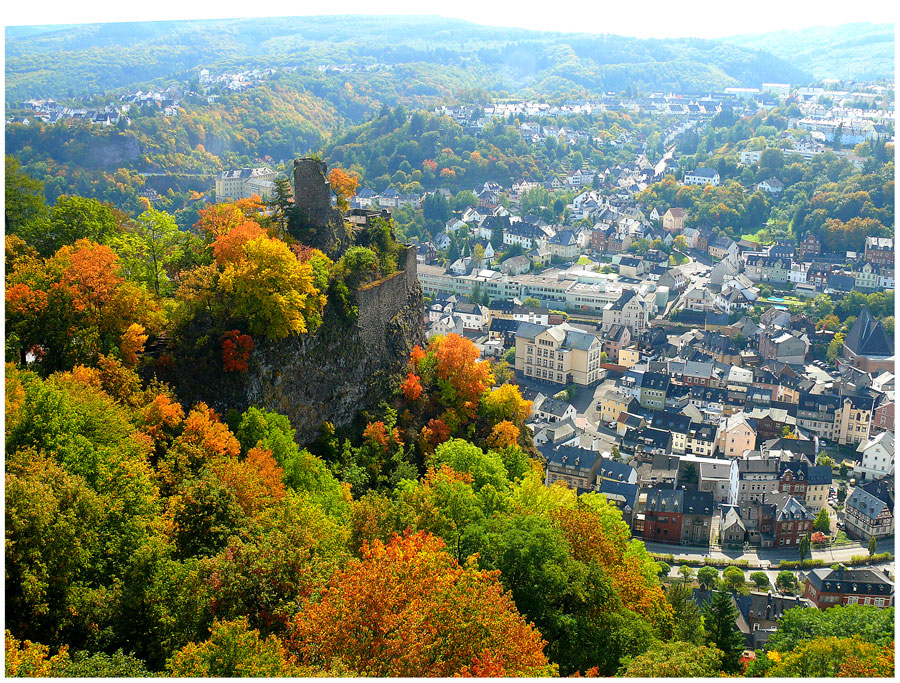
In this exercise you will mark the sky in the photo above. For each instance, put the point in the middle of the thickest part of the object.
(639, 18)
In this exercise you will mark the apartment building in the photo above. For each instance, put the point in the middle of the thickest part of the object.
(561, 354)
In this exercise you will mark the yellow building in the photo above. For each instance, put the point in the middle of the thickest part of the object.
(629, 357)
(853, 419)
(612, 404)
(561, 354)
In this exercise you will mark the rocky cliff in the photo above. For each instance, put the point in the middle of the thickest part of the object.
(341, 369)
(330, 375)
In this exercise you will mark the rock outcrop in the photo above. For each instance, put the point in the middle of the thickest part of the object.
(335, 372)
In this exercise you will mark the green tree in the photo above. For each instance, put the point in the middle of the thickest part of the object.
(835, 347)
(733, 578)
(687, 620)
(25, 203)
(873, 546)
(151, 244)
(785, 581)
(664, 569)
(760, 579)
(707, 577)
(720, 622)
(531, 301)
(803, 548)
(678, 659)
(281, 204)
(872, 624)
(233, 650)
(822, 522)
(687, 573)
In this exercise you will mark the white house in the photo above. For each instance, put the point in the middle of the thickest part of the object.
(877, 456)
(701, 176)
(770, 185)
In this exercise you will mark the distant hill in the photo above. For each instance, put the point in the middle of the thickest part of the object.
(442, 53)
(849, 51)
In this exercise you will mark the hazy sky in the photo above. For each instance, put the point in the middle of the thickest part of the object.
(641, 18)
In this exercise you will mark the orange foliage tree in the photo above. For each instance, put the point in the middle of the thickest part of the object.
(218, 219)
(411, 387)
(344, 186)
(461, 378)
(503, 434)
(228, 248)
(132, 344)
(409, 609)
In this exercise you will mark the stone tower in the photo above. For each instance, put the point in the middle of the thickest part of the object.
(312, 197)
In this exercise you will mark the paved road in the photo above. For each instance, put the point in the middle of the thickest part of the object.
(773, 557)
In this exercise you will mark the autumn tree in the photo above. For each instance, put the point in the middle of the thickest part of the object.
(272, 290)
(343, 185)
(407, 608)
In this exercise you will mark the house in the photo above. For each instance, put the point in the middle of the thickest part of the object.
(524, 234)
(675, 280)
(770, 185)
(561, 354)
(699, 299)
(818, 486)
(632, 267)
(613, 402)
(628, 310)
(867, 345)
(877, 457)
(692, 235)
(810, 245)
(616, 338)
(473, 316)
(678, 516)
(869, 510)
(676, 424)
(442, 241)
(515, 265)
(447, 324)
(853, 419)
(828, 587)
(673, 219)
(736, 435)
(577, 467)
(652, 388)
(721, 247)
(732, 530)
(564, 245)
(701, 176)
(553, 410)
(867, 277)
(880, 251)
(783, 346)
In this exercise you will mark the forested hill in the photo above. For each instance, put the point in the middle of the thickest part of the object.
(94, 58)
(850, 51)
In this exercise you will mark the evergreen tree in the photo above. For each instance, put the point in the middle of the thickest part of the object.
(282, 204)
(719, 617)
(687, 621)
